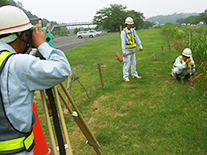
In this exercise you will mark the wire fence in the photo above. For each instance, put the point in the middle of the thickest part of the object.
(76, 78)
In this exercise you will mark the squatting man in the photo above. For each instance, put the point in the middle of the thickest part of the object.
(183, 65)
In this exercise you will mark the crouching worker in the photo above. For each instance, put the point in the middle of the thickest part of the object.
(184, 65)
(21, 74)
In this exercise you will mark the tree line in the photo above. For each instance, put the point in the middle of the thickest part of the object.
(202, 17)
(110, 18)
(33, 18)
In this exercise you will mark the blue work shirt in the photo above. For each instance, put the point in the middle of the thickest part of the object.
(23, 74)
(124, 39)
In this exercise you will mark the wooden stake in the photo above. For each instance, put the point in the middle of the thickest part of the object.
(155, 54)
(100, 75)
(169, 48)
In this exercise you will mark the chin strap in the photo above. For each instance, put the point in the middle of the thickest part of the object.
(27, 42)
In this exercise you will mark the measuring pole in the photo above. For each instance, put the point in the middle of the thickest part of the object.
(189, 38)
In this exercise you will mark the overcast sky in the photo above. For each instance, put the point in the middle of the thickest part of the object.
(69, 11)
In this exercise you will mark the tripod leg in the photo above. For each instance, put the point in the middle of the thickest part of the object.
(82, 124)
(56, 121)
(52, 137)
(68, 150)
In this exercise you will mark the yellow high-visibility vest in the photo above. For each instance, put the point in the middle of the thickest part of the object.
(18, 143)
(21, 143)
(181, 59)
(131, 41)
(3, 57)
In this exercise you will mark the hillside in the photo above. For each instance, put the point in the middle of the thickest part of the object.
(162, 19)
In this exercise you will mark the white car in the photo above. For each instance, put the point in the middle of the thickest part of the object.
(99, 32)
(84, 34)
(93, 32)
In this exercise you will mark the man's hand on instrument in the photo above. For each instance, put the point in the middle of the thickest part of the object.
(38, 36)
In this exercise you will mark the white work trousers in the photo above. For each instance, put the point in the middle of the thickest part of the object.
(182, 72)
(127, 60)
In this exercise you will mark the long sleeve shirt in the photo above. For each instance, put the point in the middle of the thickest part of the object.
(183, 65)
(23, 74)
(124, 39)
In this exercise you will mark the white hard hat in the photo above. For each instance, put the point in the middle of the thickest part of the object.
(13, 20)
(187, 52)
(129, 20)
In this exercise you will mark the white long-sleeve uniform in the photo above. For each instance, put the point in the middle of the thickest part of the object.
(181, 68)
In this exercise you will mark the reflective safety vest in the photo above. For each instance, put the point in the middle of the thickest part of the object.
(132, 43)
(181, 61)
(11, 140)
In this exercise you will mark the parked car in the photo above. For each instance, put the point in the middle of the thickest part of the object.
(99, 32)
(93, 32)
(84, 34)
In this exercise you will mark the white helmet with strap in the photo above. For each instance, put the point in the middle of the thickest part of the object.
(129, 20)
(13, 20)
(187, 52)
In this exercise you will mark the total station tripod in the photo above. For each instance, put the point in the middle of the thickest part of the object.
(64, 149)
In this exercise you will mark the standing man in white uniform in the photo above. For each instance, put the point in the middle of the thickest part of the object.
(129, 39)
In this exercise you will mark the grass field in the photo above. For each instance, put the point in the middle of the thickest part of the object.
(153, 115)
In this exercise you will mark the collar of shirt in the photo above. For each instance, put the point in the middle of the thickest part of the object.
(129, 31)
(5, 46)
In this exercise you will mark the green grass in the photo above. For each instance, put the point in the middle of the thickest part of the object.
(153, 115)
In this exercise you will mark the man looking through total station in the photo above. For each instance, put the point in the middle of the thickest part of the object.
(21, 74)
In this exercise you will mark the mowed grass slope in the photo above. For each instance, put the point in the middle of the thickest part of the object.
(153, 115)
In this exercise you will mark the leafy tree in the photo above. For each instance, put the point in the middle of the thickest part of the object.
(110, 18)
(61, 31)
(113, 17)
(4, 2)
(148, 24)
(76, 30)
(180, 21)
(204, 16)
(12, 2)
(192, 19)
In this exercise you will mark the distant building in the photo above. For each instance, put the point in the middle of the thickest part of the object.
(201, 23)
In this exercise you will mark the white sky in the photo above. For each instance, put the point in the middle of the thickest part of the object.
(70, 11)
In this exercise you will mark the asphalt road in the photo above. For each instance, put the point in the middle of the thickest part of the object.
(70, 42)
